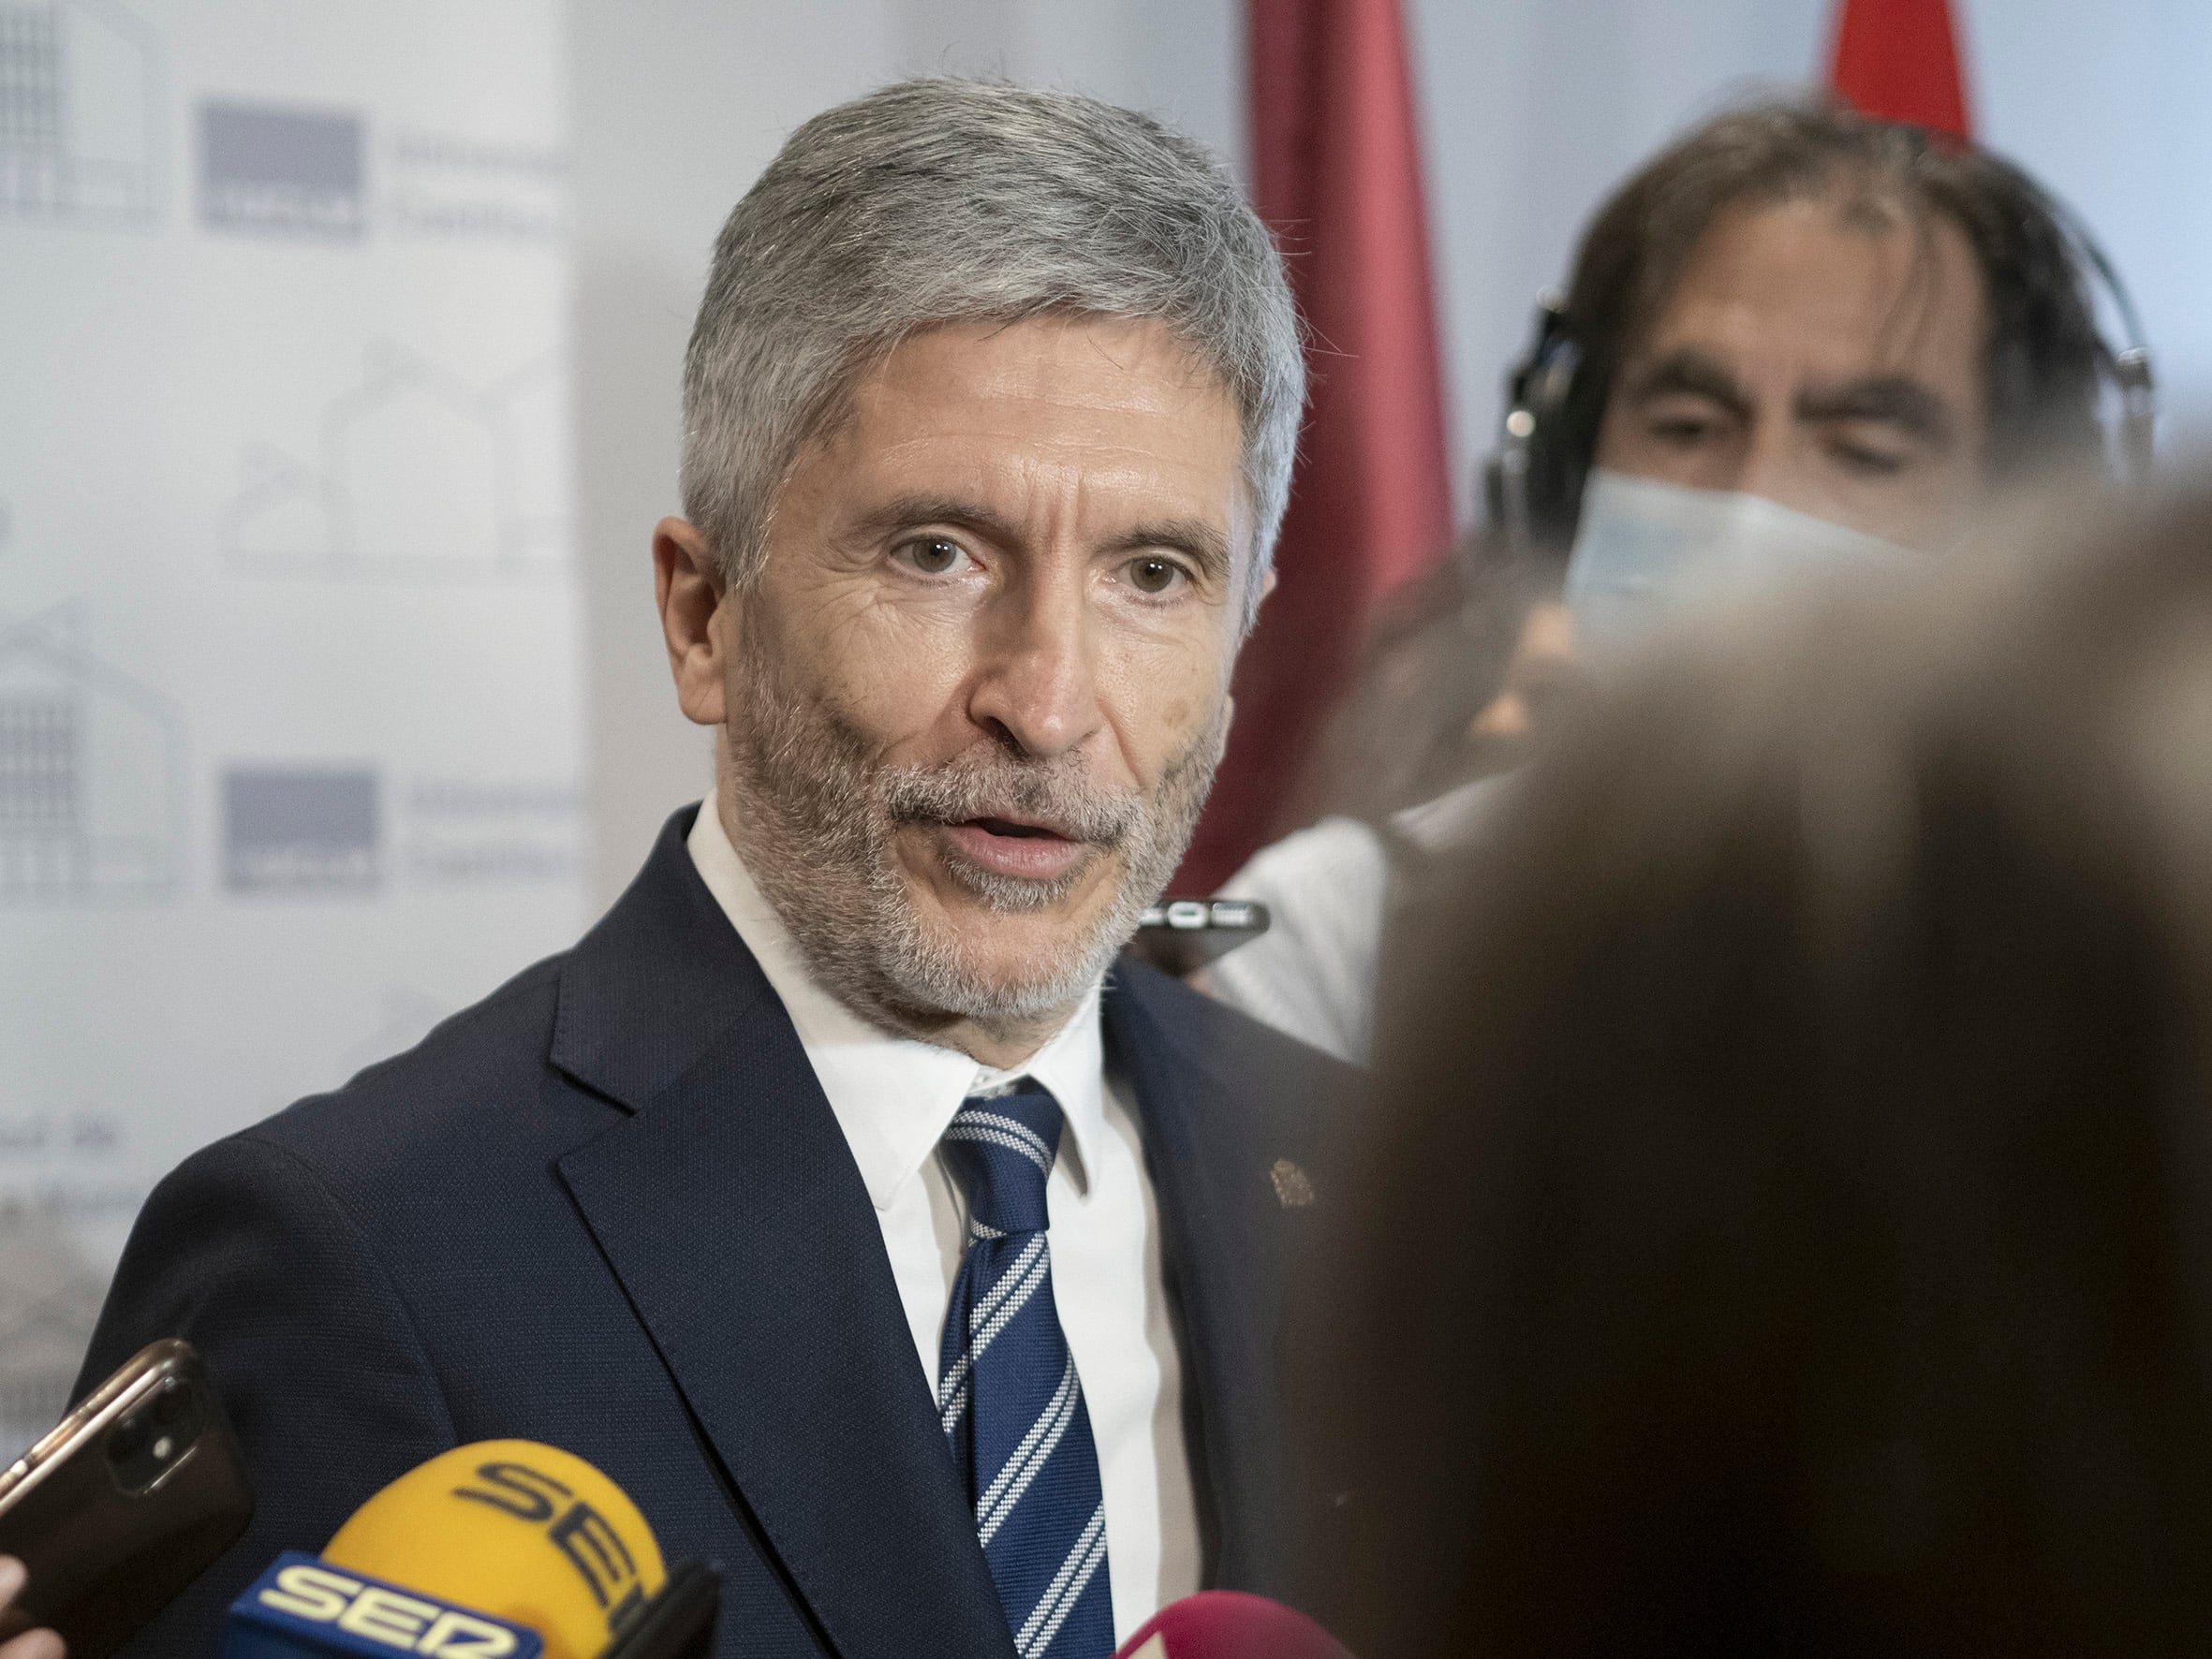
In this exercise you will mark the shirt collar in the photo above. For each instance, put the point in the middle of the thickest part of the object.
(895, 1096)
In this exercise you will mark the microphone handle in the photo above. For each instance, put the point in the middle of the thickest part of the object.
(679, 1622)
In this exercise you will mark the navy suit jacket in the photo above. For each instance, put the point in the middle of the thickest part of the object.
(609, 1209)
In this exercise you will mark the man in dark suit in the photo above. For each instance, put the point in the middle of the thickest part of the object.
(841, 1195)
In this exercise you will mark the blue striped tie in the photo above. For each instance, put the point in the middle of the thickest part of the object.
(1009, 1396)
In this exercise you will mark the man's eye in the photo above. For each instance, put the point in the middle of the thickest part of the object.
(1154, 575)
(1682, 430)
(1868, 460)
(933, 555)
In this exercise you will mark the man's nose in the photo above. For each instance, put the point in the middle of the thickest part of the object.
(1036, 683)
(1777, 466)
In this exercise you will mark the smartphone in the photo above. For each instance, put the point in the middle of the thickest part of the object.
(128, 1500)
(1179, 936)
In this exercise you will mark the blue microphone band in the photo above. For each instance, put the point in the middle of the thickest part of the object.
(303, 1608)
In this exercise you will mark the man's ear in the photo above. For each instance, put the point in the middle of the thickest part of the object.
(1251, 619)
(687, 586)
(1267, 586)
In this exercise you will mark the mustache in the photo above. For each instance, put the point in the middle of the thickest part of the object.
(1055, 794)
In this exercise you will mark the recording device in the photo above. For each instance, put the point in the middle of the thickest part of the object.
(1533, 480)
(502, 1549)
(1180, 936)
(1227, 1625)
(125, 1502)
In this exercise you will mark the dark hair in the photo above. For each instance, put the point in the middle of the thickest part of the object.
(2044, 356)
(1782, 1225)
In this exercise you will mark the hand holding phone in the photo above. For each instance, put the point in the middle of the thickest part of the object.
(32, 1644)
(127, 1500)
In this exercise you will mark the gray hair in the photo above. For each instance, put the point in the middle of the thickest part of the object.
(937, 202)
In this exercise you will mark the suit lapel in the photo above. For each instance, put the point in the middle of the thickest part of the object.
(1214, 1240)
(729, 1205)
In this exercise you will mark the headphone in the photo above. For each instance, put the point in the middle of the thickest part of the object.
(2129, 369)
(1533, 478)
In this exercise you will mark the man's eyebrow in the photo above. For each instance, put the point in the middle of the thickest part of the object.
(1204, 543)
(907, 512)
(1689, 372)
(1895, 400)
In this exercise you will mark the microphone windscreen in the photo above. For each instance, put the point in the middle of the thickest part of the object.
(1228, 1625)
(523, 1532)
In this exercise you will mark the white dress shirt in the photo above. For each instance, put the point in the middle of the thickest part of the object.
(1328, 892)
(894, 1097)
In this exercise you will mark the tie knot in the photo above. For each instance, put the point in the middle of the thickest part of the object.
(1000, 1148)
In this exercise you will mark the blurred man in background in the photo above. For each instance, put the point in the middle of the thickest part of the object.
(1780, 1228)
(1796, 336)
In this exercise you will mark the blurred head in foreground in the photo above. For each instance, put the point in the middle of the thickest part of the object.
(1786, 1224)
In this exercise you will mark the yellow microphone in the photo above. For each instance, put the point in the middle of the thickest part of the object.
(506, 1530)
(523, 1532)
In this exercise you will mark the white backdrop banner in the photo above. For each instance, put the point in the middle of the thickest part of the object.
(290, 723)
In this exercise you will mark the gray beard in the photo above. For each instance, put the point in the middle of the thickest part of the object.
(817, 816)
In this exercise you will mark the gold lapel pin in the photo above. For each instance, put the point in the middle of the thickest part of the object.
(1291, 1186)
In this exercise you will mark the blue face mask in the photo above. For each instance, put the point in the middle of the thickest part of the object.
(1645, 548)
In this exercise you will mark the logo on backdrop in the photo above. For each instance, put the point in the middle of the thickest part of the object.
(465, 831)
(90, 770)
(321, 830)
(441, 185)
(283, 171)
(84, 116)
(81, 100)
(418, 474)
(300, 830)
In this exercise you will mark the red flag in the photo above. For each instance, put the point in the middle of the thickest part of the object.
(1337, 174)
(1898, 60)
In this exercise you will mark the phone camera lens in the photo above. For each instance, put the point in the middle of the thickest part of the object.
(169, 1403)
(128, 1440)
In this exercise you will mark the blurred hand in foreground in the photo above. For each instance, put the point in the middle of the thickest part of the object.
(31, 1644)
